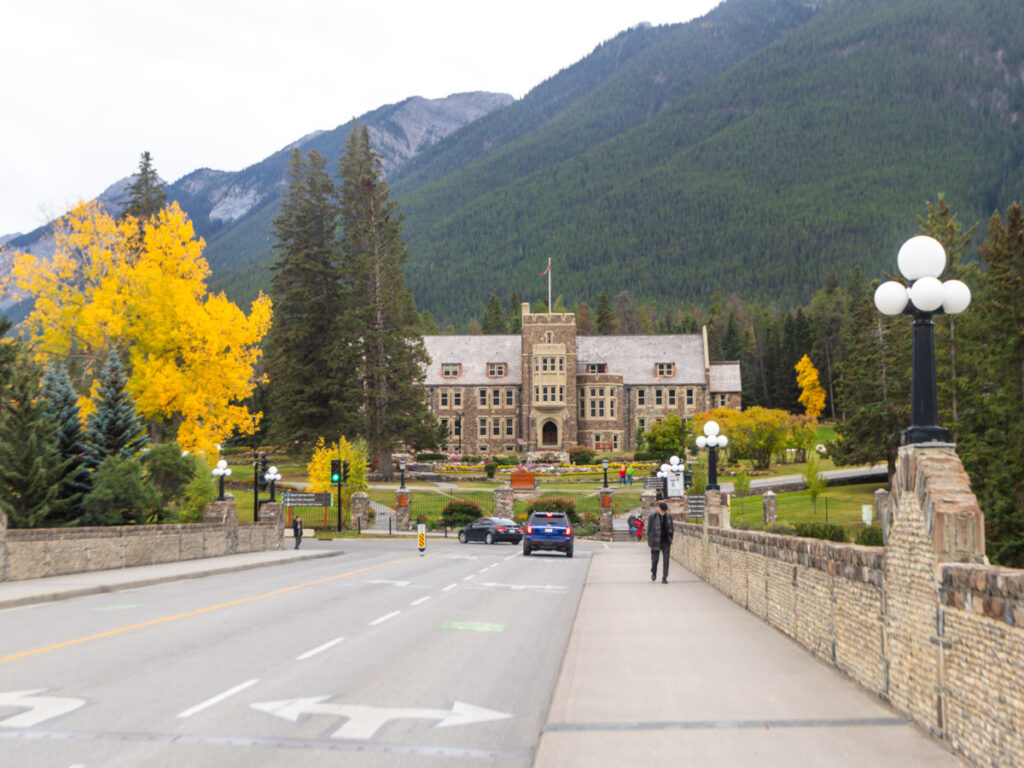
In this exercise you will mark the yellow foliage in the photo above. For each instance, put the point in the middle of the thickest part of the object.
(191, 354)
(812, 395)
(320, 466)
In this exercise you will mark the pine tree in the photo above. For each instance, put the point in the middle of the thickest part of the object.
(146, 192)
(584, 320)
(307, 356)
(605, 315)
(494, 318)
(31, 468)
(991, 425)
(515, 314)
(61, 408)
(626, 316)
(114, 428)
(380, 320)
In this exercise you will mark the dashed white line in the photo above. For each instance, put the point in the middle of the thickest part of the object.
(467, 578)
(319, 648)
(217, 699)
(450, 586)
(384, 618)
(511, 556)
(421, 600)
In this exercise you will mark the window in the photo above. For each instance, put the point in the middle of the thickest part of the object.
(671, 397)
(641, 397)
(611, 407)
(689, 397)
(641, 425)
(496, 370)
(495, 397)
(445, 427)
(451, 370)
(561, 364)
(720, 400)
(561, 394)
(536, 394)
(496, 427)
(510, 397)
(443, 398)
(597, 367)
(483, 427)
(458, 428)
(457, 398)
(664, 370)
(549, 337)
(482, 398)
(657, 397)
(510, 427)
(597, 408)
(615, 442)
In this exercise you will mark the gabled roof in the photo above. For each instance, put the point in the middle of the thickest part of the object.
(474, 353)
(725, 377)
(635, 357)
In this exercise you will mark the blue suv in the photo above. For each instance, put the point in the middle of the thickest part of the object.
(548, 530)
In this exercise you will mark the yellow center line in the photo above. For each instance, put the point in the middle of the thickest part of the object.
(199, 611)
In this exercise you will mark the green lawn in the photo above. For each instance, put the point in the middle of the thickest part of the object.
(838, 504)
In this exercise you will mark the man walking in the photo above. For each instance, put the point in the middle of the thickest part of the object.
(660, 531)
(297, 530)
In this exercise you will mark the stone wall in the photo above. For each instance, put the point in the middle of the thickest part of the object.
(35, 553)
(924, 622)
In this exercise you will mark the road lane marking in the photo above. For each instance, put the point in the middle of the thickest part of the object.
(39, 708)
(467, 578)
(420, 601)
(450, 586)
(319, 648)
(200, 611)
(522, 587)
(473, 626)
(511, 556)
(384, 618)
(217, 699)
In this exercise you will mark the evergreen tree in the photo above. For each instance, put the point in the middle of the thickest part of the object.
(626, 316)
(584, 320)
(306, 354)
(31, 468)
(381, 322)
(146, 192)
(61, 408)
(494, 318)
(605, 315)
(515, 314)
(991, 426)
(114, 428)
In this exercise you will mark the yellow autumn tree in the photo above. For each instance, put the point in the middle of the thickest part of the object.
(319, 467)
(191, 354)
(812, 395)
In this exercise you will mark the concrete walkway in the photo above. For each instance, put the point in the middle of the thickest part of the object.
(677, 674)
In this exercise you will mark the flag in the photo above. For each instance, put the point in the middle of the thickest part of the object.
(546, 270)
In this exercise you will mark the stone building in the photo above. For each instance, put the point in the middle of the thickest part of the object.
(548, 389)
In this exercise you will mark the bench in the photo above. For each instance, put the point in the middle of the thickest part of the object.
(522, 481)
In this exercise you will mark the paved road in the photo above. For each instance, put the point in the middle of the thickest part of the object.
(380, 657)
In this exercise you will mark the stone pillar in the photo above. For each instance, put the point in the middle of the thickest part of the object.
(402, 522)
(725, 511)
(272, 514)
(605, 523)
(221, 513)
(361, 509)
(648, 502)
(504, 502)
(713, 509)
(769, 507)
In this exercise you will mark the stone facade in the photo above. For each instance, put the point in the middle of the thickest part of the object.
(548, 388)
(924, 622)
(34, 553)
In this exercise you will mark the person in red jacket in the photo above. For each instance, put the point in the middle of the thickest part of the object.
(640, 528)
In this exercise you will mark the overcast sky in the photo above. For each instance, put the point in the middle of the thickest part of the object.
(86, 87)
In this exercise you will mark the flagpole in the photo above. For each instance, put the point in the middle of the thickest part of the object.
(550, 309)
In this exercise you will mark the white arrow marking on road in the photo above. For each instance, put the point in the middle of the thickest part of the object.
(39, 708)
(364, 722)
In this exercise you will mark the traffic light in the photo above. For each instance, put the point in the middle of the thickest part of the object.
(336, 470)
(344, 473)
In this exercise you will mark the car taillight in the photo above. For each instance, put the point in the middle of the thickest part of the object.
(568, 531)
(501, 528)
(529, 529)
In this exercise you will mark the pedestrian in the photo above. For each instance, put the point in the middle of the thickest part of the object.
(297, 530)
(639, 529)
(622, 475)
(660, 531)
(629, 475)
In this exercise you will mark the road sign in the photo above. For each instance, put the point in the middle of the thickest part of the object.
(364, 722)
(307, 499)
(40, 708)
(421, 537)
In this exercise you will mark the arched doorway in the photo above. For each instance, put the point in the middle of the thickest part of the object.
(549, 434)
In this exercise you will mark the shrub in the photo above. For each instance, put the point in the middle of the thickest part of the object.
(741, 483)
(430, 457)
(472, 458)
(567, 506)
(645, 456)
(871, 536)
(824, 531)
(171, 472)
(507, 461)
(490, 468)
(120, 495)
(748, 525)
(782, 529)
(460, 512)
(581, 454)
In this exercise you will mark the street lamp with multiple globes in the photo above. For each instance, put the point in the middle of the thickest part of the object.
(401, 468)
(921, 260)
(221, 471)
(712, 440)
(272, 476)
(674, 475)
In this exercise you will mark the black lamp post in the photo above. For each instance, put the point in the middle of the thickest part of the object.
(921, 260)
(401, 468)
(604, 465)
(272, 477)
(221, 471)
(458, 428)
(712, 440)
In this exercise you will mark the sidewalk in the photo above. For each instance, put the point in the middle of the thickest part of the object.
(678, 674)
(15, 593)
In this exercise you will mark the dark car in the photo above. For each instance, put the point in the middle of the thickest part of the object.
(490, 530)
(548, 530)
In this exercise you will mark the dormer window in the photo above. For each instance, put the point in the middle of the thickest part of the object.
(451, 370)
(597, 367)
(664, 370)
(497, 370)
